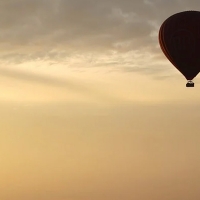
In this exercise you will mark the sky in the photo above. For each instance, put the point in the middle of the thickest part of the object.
(90, 107)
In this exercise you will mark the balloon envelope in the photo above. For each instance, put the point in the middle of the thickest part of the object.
(179, 38)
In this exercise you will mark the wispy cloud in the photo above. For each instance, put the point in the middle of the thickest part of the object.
(68, 86)
(58, 30)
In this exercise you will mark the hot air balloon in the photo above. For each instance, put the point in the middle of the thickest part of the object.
(179, 39)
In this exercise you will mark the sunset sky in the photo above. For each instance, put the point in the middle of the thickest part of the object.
(90, 107)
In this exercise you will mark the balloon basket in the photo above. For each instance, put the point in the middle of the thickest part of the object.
(189, 84)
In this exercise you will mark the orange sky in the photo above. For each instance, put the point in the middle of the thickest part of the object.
(98, 139)
(90, 108)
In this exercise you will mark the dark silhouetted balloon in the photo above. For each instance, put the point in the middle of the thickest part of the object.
(179, 39)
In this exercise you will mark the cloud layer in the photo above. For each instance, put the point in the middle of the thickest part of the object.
(109, 33)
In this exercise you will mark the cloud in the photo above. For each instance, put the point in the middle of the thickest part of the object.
(68, 86)
(76, 23)
(62, 29)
